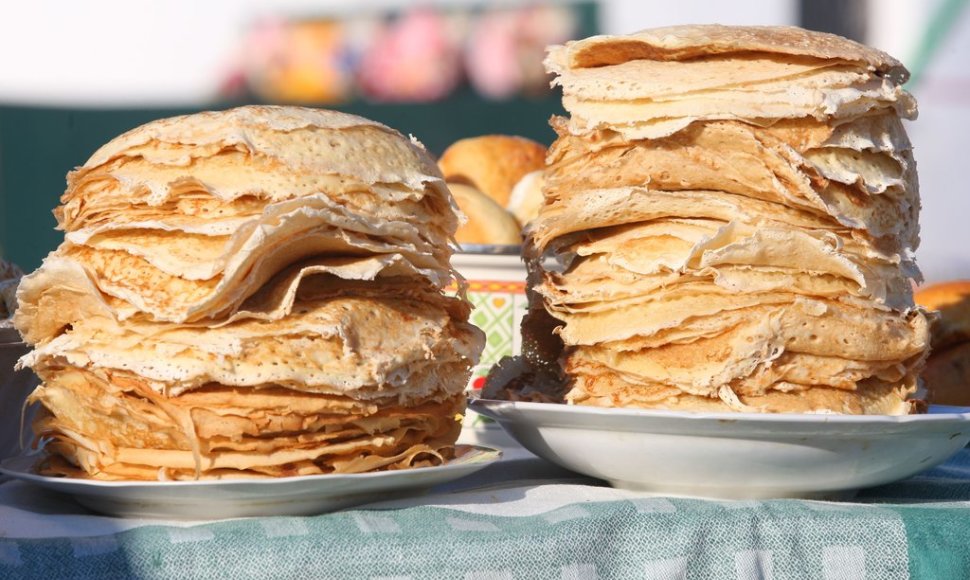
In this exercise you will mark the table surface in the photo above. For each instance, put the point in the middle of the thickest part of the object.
(519, 518)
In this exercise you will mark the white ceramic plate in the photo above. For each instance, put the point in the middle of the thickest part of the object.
(215, 499)
(727, 455)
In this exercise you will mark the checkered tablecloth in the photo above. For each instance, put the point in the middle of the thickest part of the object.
(521, 518)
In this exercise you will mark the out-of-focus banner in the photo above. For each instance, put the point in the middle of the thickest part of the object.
(417, 54)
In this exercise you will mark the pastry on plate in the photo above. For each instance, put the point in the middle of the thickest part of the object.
(250, 293)
(729, 220)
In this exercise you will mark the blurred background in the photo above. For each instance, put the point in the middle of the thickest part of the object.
(75, 74)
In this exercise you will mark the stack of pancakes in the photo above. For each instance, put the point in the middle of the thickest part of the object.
(256, 292)
(729, 223)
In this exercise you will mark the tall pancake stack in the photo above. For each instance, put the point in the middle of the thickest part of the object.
(255, 292)
(729, 223)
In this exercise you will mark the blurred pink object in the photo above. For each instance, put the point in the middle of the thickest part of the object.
(491, 60)
(413, 59)
(506, 48)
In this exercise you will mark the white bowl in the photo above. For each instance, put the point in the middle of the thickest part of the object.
(727, 455)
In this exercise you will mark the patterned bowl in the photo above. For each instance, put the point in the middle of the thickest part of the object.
(496, 288)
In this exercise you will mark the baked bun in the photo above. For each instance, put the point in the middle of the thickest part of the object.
(947, 376)
(526, 198)
(492, 163)
(487, 223)
(952, 299)
(947, 372)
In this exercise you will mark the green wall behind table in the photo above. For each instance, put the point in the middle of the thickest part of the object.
(38, 146)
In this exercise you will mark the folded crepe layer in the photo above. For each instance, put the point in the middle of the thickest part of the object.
(751, 377)
(873, 173)
(126, 285)
(217, 259)
(321, 277)
(658, 80)
(594, 284)
(688, 313)
(905, 328)
(196, 191)
(371, 344)
(378, 458)
(62, 292)
(838, 95)
(880, 131)
(238, 175)
(121, 414)
(105, 431)
(602, 288)
(655, 83)
(592, 384)
(682, 243)
(751, 358)
(599, 208)
(307, 140)
(648, 99)
(443, 370)
(203, 255)
(872, 396)
(633, 259)
(695, 42)
(742, 159)
(148, 267)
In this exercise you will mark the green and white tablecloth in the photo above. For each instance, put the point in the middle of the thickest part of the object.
(521, 518)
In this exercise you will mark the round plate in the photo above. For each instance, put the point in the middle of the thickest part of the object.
(733, 455)
(233, 498)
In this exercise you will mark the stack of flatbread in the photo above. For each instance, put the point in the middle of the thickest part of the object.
(729, 223)
(256, 292)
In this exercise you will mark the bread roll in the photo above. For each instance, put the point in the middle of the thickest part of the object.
(526, 198)
(488, 222)
(492, 163)
(952, 299)
(947, 376)
(947, 373)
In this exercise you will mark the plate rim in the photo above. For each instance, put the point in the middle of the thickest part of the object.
(488, 455)
(495, 409)
(551, 431)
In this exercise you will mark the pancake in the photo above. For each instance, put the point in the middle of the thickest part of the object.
(257, 292)
(729, 222)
